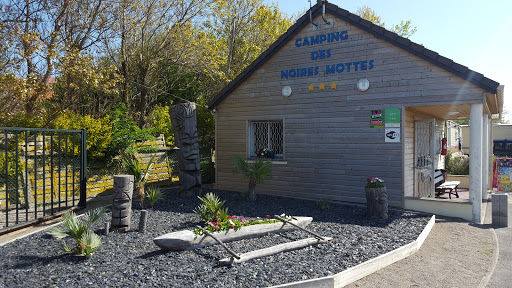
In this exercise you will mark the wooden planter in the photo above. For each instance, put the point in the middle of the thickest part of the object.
(186, 239)
(376, 202)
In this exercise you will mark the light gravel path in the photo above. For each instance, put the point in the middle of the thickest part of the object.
(455, 254)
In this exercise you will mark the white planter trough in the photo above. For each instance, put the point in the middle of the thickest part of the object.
(186, 239)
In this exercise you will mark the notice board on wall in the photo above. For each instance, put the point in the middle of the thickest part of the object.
(502, 174)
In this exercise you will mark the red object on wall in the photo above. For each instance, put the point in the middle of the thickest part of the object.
(444, 147)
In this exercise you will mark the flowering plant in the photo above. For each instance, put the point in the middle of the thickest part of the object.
(265, 153)
(236, 222)
(374, 182)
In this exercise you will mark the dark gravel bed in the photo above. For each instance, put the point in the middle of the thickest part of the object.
(130, 259)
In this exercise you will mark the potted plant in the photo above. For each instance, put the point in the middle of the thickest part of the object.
(376, 198)
(265, 153)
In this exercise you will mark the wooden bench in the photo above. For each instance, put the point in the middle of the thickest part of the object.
(443, 186)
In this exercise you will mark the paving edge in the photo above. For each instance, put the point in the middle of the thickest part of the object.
(364, 269)
(495, 256)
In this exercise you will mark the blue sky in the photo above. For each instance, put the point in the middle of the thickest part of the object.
(476, 34)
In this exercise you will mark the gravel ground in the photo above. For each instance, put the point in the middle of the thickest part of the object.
(129, 259)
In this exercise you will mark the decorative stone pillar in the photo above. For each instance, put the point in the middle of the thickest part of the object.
(485, 156)
(122, 202)
(377, 202)
(475, 161)
(184, 124)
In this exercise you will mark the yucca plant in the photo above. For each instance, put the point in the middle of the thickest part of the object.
(256, 172)
(78, 229)
(211, 208)
(154, 194)
(140, 174)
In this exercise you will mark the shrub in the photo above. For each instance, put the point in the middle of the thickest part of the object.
(11, 165)
(86, 241)
(207, 171)
(154, 194)
(99, 132)
(124, 130)
(161, 124)
(324, 204)
(457, 165)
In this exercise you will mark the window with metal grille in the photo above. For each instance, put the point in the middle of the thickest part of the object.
(266, 136)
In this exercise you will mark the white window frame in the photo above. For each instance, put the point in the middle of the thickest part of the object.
(251, 139)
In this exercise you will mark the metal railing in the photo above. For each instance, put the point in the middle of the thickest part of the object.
(42, 172)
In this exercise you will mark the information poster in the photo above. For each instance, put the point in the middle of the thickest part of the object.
(503, 174)
(392, 117)
(377, 119)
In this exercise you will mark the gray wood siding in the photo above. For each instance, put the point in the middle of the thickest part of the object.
(409, 154)
(329, 148)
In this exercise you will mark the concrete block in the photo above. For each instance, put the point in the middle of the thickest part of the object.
(500, 209)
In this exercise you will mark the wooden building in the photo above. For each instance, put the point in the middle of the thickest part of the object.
(339, 99)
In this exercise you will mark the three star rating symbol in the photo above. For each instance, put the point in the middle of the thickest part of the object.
(321, 86)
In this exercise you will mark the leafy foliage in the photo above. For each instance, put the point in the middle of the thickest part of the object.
(207, 171)
(139, 170)
(324, 204)
(403, 29)
(374, 182)
(11, 165)
(242, 29)
(457, 165)
(235, 223)
(160, 122)
(78, 229)
(256, 172)
(86, 85)
(124, 130)
(154, 194)
(211, 208)
(99, 132)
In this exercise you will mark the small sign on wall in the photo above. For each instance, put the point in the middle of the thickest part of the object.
(392, 117)
(392, 135)
(376, 120)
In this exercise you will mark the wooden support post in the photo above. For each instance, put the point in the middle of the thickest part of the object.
(143, 221)
(220, 242)
(285, 247)
(107, 228)
(303, 229)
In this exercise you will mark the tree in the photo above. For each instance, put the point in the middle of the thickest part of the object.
(403, 29)
(88, 86)
(40, 32)
(242, 29)
(256, 172)
(147, 33)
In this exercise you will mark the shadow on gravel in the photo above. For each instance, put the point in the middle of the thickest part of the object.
(27, 262)
(153, 254)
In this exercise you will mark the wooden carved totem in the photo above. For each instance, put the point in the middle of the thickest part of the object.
(184, 124)
(122, 202)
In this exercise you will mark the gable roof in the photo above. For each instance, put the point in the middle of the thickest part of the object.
(447, 64)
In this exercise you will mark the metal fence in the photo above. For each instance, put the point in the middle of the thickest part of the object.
(42, 172)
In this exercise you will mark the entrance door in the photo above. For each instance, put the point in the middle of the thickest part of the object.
(424, 132)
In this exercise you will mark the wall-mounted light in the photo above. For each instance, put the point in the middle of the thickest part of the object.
(286, 91)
